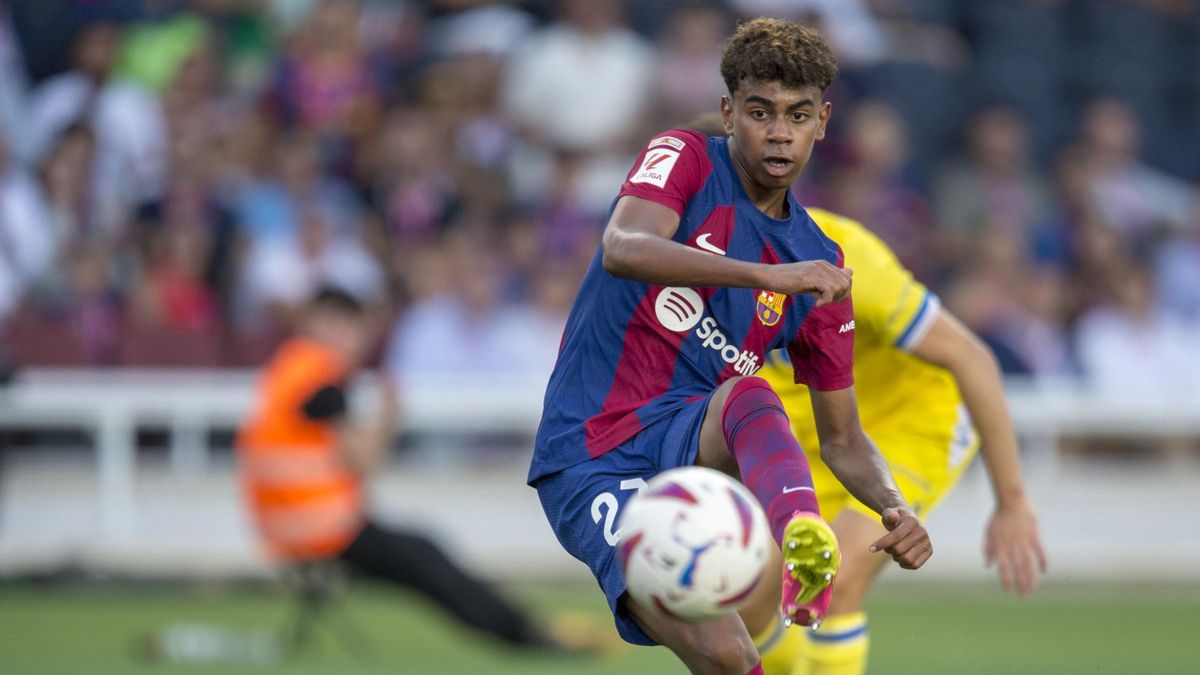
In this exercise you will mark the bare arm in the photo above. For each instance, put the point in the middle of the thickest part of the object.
(1012, 538)
(857, 463)
(637, 245)
(851, 455)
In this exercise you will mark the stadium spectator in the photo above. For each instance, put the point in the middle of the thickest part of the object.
(1158, 348)
(992, 188)
(305, 461)
(325, 83)
(606, 108)
(688, 79)
(281, 271)
(29, 242)
(870, 183)
(466, 326)
(131, 138)
(13, 77)
(1137, 199)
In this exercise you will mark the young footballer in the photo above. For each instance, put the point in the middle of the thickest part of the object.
(706, 265)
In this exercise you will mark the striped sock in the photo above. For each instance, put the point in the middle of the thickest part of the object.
(779, 647)
(839, 646)
(771, 461)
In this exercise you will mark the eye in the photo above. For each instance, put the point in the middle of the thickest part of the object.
(758, 114)
(799, 116)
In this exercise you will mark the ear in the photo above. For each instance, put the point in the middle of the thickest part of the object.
(823, 119)
(727, 115)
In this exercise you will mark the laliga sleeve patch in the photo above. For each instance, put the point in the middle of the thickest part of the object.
(656, 167)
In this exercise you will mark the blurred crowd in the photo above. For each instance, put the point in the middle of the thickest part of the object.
(177, 175)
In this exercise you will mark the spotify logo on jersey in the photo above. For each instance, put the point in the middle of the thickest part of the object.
(678, 309)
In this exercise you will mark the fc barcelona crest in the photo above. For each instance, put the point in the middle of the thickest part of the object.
(770, 307)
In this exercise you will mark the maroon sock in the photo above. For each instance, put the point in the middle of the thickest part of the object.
(768, 455)
(756, 670)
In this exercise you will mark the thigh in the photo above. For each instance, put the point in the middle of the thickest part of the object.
(860, 567)
(718, 646)
(583, 503)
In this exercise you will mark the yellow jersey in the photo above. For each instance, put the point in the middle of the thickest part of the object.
(901, 398)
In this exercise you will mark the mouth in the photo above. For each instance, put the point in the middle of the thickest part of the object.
(778, 167)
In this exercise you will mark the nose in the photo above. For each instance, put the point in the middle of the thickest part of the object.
(780, 131)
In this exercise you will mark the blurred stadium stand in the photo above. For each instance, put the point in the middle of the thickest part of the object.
(176, 175)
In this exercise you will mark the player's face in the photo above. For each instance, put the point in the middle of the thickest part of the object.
(773, 129)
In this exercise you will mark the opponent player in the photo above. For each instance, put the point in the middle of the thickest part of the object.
(707, 264)
(926, 384)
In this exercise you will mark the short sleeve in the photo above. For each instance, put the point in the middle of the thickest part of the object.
(891, 308)
(889, 302)
(822, 352)
(327, 403)
(670, 170)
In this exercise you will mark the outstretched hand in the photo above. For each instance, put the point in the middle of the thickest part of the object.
(906, 541)
(1012, 543)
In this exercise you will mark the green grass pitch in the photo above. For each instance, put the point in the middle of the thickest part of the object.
(915, 628)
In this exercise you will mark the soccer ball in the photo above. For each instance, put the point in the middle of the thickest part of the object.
(693, 544)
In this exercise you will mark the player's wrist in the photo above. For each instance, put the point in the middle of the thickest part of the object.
(1011, 498)
(760, 275)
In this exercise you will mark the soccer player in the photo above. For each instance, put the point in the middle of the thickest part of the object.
(303, 461)
(929, 393)
(706, 265)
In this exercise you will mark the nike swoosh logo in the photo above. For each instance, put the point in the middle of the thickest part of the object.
(802, 488)
(703, 242)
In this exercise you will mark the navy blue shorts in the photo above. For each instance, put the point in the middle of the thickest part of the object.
(583, 501)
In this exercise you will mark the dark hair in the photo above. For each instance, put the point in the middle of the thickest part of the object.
(773, 50)
(337, 300)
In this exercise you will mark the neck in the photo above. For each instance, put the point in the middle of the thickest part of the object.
(771, 201)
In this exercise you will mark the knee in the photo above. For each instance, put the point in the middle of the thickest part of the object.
(724, 653)
(750, 393)
(739, 384)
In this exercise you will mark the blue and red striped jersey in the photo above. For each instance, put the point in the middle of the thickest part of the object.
(633, 353)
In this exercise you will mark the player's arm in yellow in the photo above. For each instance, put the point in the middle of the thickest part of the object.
(1012, 539)
(857, 463)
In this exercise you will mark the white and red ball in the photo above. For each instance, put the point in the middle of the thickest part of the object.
(693, 544)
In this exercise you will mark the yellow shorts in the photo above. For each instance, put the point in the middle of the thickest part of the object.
(925, 469)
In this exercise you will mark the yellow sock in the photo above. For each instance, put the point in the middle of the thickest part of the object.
(779, 648)
(838, 647)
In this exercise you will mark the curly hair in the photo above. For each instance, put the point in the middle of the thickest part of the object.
(773, 50)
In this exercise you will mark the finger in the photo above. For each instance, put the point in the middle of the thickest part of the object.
(1026, 576)
(924, 558)
(1006, 571)
(912, 560)
(886, 541)
(1041, 554)
(989, 553)
(912, 541)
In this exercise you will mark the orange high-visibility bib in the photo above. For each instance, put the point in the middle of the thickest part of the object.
(304, 501)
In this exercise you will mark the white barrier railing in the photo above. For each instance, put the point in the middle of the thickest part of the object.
(115, 404)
